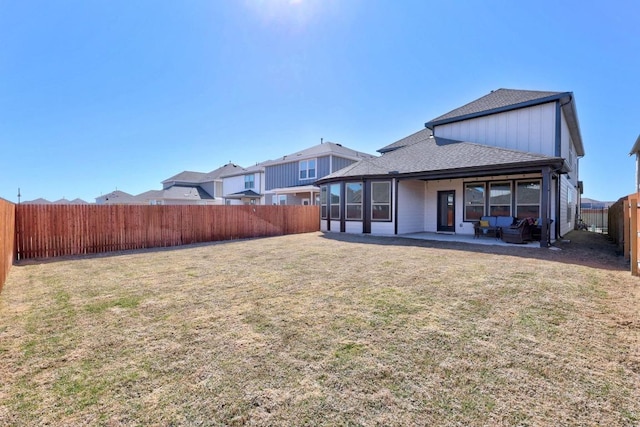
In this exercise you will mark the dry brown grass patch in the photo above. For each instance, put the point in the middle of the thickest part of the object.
(324, 330)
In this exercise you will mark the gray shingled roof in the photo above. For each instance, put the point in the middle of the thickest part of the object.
(186, 176)
(228, 169)
(245, 193)
(259, 167)
(116, 197)
(323, 149)
(411, 139)
(498, 100)
(38, 201)
(176, 192)
(438, 155)
(191, 177)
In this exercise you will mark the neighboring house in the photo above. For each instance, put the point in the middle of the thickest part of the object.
(38, 201)
(117, 197)
(511, 152)
(587, 203)
(290, 180)
(244, 186)
(63, 201)
(190, 188)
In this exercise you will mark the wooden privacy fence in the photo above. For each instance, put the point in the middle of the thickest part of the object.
(7, 238)
(624, 226)
(44, 231)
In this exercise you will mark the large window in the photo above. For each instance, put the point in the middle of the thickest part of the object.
(307, 169)
(323, 202)
(353, 200)
(528, 199)
(335, 201)
(474, 199)
(500, 199)
(249, 181)
(381, 201)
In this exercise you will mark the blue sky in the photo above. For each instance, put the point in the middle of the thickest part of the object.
(99, 95)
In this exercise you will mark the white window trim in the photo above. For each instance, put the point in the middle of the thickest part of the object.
(306, 169)
(247, 181)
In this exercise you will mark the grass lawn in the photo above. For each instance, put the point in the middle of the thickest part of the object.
(324, 330)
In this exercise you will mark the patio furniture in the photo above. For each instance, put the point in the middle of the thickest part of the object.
(536, 228)
(491, 225)
(520, 232)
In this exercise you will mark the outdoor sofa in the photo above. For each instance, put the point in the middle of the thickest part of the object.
(492, 225)
(520, 232)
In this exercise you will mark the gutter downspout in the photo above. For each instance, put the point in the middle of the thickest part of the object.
(558, 196)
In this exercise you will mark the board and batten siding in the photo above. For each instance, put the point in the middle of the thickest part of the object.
(568, 202)
(411, 215)
(338, 163)
(288, 174)
(568, 150)
(530, 129)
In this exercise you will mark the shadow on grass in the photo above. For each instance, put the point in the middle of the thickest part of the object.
(577, 248)
(125, 252)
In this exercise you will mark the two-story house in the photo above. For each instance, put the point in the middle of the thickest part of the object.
(244, 186)
(190, 188)
(511, 152)
(290, 180)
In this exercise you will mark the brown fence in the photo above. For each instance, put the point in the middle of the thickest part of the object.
(624, 225)
(44, 231)
(7, 238)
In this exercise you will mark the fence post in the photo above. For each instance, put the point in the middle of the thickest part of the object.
(626, 229)
(633, 233)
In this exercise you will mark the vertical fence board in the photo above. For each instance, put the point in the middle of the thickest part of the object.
(7, 238)
(44, 231)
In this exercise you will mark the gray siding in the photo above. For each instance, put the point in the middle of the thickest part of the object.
(340, 163)
(288, 175)
(324, 167)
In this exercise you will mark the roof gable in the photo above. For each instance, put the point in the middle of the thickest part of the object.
(186, 176)
(322, 149)
(502, 100)
(497, 101)
(191, 177)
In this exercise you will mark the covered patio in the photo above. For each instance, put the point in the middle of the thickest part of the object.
(465, 238)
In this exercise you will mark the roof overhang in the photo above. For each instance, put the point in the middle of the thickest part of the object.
(248, 194)
(294, 190)
(555, 164)
(568, 105)
(636, 147)
(538, 101)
